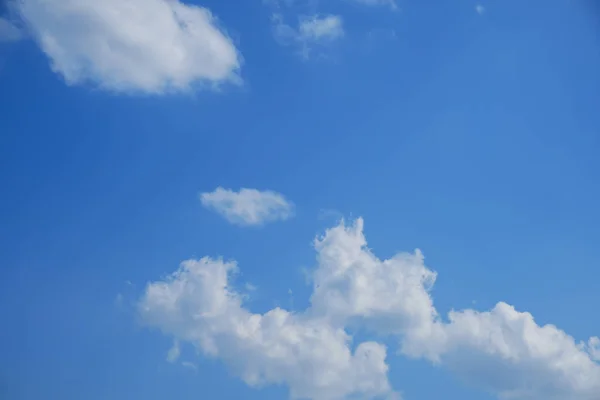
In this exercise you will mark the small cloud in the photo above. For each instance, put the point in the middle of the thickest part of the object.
(9, 32)
(309, 32)
(312, 31)
(248, 206)
(189, 365)
(480, 9)
(174, 352)
(316, 28)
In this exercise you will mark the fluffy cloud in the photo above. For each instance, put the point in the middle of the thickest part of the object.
(149, 46)
(197, 304)
(8, 31)
(248, 206)
(503, 351)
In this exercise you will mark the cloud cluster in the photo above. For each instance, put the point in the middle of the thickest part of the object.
(248, 206)
(149, 46)
(153, 46)
(313, 30)
(502, 350)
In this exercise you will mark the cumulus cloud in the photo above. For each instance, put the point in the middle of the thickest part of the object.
(149, 46)
(248, 206)
(9, 31)
(502, 350)
(314, 358)
(505, 351)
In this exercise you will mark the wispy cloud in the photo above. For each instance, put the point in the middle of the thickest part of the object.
(317, 28)
(391, 3)
(310, 32)
(174, 352)
(501, 350)
(480, 9)
(148, 46)
(189, 365)
(9, 32)
(248, 206)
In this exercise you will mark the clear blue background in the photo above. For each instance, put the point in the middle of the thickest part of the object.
(472, 137)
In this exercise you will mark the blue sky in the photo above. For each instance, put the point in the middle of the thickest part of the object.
(297, 153)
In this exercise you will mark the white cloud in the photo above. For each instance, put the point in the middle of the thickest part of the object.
(149, 46)
(174, 352)
(480, 9)
(311, 31)
(502, 350)
(505, 351)
(196, 304)
(248, 206)
(317, 28)
(9, 31)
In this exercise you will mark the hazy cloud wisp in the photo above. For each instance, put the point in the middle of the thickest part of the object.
(9, 32)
